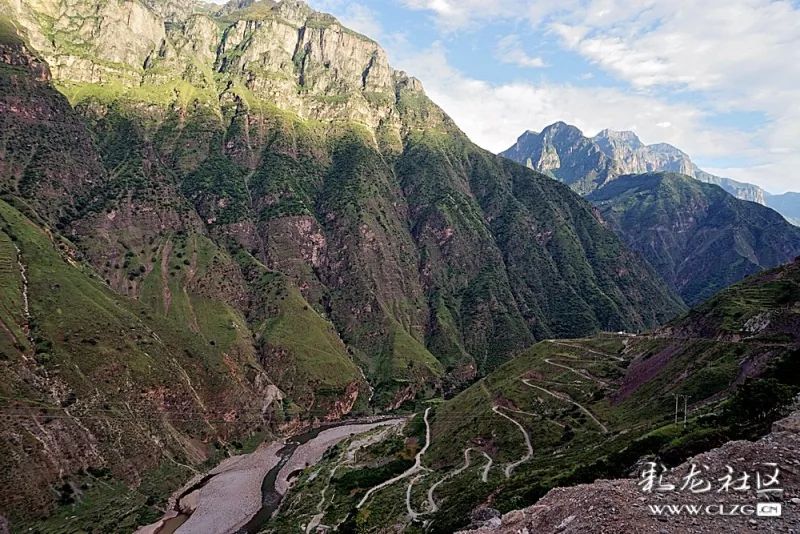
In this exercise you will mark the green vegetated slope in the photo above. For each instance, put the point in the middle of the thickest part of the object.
(698, 237)
(262, 183)
(591, 407)
(95, 383)
(435, 260)
(127, 393)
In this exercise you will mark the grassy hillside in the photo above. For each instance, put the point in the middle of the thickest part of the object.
(591, 408)
(94, 382)
(698, 237)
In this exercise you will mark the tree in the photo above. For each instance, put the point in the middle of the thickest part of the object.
(759, 402)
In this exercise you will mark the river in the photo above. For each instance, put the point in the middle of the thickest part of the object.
(240, 495)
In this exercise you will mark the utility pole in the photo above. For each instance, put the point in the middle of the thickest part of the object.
(685, 407)
(676, 409)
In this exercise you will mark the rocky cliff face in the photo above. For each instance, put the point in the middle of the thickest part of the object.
(261, 179)
(561, 151)
(625, 154)
(631, 156)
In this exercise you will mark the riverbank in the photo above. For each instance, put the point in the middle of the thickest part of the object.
(229, 499)
(310, 452)
(231, 496)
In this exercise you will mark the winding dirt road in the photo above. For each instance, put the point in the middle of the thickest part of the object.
(565, 398)
(510, 467)
(432, 507)
(411, 513)
(411, 471)
(592, 351)
(535, 415)
(486, 468)
(581, 373)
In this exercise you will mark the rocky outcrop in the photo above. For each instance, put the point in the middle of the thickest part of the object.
(562, 152)
(91, 41)
(615, 506)
(284, 53)
(573, 159)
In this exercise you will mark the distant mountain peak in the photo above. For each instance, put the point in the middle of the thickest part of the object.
(560, 128)
(625, 136)
(621, 152)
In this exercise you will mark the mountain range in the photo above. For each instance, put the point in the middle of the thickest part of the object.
(701, 232)
(258, 179)
(697, 236)
(224, 225)
(587, 163)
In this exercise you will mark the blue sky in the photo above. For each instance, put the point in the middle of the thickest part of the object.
(719, 79)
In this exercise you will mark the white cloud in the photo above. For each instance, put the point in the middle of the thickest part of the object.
(728, 56)
(353, 15)
(511, 50)
(493, 115)
(740, 55)
(455, 14)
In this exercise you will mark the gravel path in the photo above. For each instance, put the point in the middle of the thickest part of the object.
(486, 468)
(432, 507)
(411, 513)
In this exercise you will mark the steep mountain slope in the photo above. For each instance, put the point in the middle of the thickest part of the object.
(125, 214)
(698, 237)
(108, 400)
(244, 217)
(787, 204)
(289, 142)
(94, 382)
(573, 411)
(572, 158)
